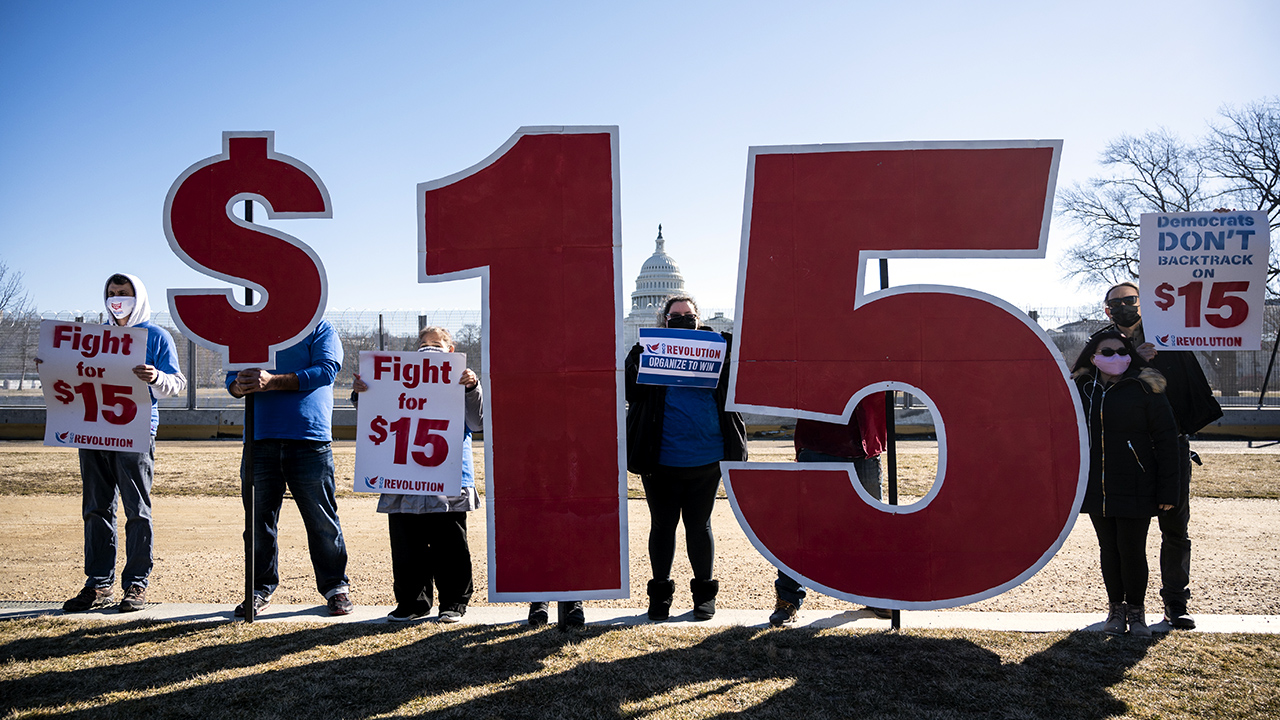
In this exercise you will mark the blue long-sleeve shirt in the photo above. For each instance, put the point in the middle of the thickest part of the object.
(307, 413)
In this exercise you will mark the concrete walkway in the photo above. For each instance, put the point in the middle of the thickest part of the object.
(511, 613)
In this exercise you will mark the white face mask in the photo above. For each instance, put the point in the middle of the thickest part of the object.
(121, 306)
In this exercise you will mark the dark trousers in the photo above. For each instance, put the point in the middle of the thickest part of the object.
(1122, 543)
(673, 493)
(426, 548)
(1175, 543)
(305, 468)
(107, 475)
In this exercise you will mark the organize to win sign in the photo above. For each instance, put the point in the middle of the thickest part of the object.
(671, 356)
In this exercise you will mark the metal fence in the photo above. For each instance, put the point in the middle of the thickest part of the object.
(1236, 376)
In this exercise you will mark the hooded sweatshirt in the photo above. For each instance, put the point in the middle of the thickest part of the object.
(161, 352)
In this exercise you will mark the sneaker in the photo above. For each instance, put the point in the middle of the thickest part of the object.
(1137, 619)
(135, 598)
(407, 613)
(1177, 618)
(1115, 624)
(784, 613)
(538, 614)
(452, 616)
(571, 614)
(260, 603)
(88, 599)
(340, 604)
(882, 613)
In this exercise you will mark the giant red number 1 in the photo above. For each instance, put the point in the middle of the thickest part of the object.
(538, 222)
(811, 342)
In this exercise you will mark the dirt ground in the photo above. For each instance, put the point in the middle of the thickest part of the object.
(199, 557)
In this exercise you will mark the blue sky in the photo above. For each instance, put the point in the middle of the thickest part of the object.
(105, 104)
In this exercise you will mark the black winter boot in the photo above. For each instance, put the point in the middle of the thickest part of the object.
(704, 598)
(660, 593)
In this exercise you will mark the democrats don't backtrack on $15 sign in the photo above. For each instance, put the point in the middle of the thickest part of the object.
(410, 423)
(689, 358)
(92, 398)
(1203, 279)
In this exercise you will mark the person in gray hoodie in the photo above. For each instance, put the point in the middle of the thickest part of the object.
(108, 473)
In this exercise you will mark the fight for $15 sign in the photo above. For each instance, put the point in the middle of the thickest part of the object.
(410, 423)
(92, 398)
(1203, 279)
(689, 358)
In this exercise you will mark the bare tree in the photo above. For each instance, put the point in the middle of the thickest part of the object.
(19, 324)
(13, 294)
(468, 340)
(1242, 151)
(1235, 165)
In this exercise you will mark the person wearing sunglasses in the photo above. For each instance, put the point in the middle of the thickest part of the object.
(1133, 467)
(676, 438)
(1194, 407)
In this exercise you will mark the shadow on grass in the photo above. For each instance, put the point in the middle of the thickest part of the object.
(510, 671)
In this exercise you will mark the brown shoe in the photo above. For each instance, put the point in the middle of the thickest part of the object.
(88, 599)
(135, 598)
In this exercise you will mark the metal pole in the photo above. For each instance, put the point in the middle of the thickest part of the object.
(891, 431)
(191, 375)
(246, 482)
(381, 334)
(1270, 364)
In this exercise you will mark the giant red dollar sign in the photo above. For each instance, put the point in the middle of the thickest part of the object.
(538, 221)
(203, 232)
(811, 343)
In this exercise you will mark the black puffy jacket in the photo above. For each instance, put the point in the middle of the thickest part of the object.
(1133, 444)
(646, 405)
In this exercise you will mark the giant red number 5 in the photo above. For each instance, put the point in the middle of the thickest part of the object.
(538, 222)
(811, 343)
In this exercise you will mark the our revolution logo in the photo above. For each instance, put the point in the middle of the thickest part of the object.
(372, 482)
(1179, 341)
(63, 437)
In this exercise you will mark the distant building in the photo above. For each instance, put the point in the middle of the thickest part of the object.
(658, 280)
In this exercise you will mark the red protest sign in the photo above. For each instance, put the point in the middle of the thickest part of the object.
(205, 233)
(812, 342)
(538, 221)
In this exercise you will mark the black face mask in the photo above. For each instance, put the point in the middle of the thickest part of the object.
(1125, 316)
(683, 322)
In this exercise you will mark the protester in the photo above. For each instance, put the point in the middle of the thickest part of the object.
(1133, 467)
(429, 532)
(1194, 407)
(569, 613)
(106, 473)
(676, 438)
(293, 417)
(858, 442)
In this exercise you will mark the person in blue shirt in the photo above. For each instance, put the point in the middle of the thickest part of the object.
(293, 418)
(676, 438)
(108, 473)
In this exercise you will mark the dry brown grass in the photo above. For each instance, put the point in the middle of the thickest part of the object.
(212, 467)
(52, 667)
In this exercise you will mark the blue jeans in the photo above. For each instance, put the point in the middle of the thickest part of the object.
(868, 470)
(305, 467)
(105, 475)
